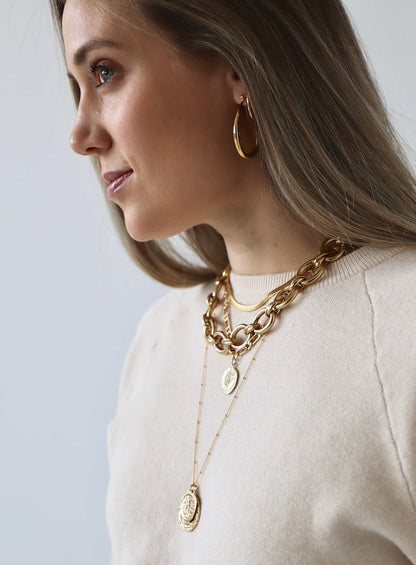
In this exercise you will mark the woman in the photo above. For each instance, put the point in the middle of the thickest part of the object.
(283, 429)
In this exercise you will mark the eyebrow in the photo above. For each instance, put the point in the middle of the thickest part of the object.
(81, 53)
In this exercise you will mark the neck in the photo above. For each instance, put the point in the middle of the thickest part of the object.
(261, 237)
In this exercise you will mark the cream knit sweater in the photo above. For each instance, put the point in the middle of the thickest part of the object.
(316, 464)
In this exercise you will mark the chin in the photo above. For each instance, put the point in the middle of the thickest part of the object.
(145, 230)
(139, 234)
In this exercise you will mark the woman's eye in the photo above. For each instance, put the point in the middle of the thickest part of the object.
(101, 73)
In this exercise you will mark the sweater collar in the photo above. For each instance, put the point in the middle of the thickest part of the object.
(251, 288)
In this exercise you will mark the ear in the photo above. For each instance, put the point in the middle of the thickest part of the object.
(237, 87)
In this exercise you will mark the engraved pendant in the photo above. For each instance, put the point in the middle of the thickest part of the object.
(229, 380)
(189, 510)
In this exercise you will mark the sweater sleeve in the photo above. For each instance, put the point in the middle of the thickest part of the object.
(159, 319)
(140, 344)
(127, 373)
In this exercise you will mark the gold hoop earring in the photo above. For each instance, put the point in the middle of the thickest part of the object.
(236, 132)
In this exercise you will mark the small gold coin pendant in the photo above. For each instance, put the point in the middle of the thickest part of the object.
(229, 380)
(189, 510)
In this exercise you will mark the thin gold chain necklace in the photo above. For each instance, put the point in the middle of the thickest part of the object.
(190, 505)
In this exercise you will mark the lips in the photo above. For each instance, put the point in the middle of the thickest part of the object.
(115, 181)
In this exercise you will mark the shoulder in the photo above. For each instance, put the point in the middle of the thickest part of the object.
(391, 288)
(163, 326)
(391, 292)
(399, 268)
(177, 304)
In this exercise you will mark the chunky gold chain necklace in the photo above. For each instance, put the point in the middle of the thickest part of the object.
(239, 341)
(244, 336)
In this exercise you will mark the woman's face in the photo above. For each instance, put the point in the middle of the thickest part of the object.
(161, 124)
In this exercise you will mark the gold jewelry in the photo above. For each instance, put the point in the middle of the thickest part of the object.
(242, 338)
(269, 296)
(190, 505)
(230, 376)
(249, 307)
(229, 342)
(236, 131)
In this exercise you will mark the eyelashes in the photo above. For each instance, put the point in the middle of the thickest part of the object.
(101, 73)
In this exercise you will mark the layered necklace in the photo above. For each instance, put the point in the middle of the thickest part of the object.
(238, 341)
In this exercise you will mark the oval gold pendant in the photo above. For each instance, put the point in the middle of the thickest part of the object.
(229, 380)
(189, 511)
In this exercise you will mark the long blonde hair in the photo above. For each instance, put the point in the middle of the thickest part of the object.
(325, 138)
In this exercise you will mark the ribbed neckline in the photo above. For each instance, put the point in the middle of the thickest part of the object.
(251, 288)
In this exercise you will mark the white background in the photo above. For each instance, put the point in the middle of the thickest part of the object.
(69, 297)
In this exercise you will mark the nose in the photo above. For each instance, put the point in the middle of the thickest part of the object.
(89, 136)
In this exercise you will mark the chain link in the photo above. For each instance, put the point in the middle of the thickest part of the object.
(241, 339)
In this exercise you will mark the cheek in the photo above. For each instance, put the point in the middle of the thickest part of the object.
(186, 139)
(122, 118)
(178, 116)
(179, 143)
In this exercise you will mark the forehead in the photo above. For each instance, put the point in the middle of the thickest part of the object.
(84, 20)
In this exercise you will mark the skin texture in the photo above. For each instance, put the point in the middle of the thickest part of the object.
(168, 119)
